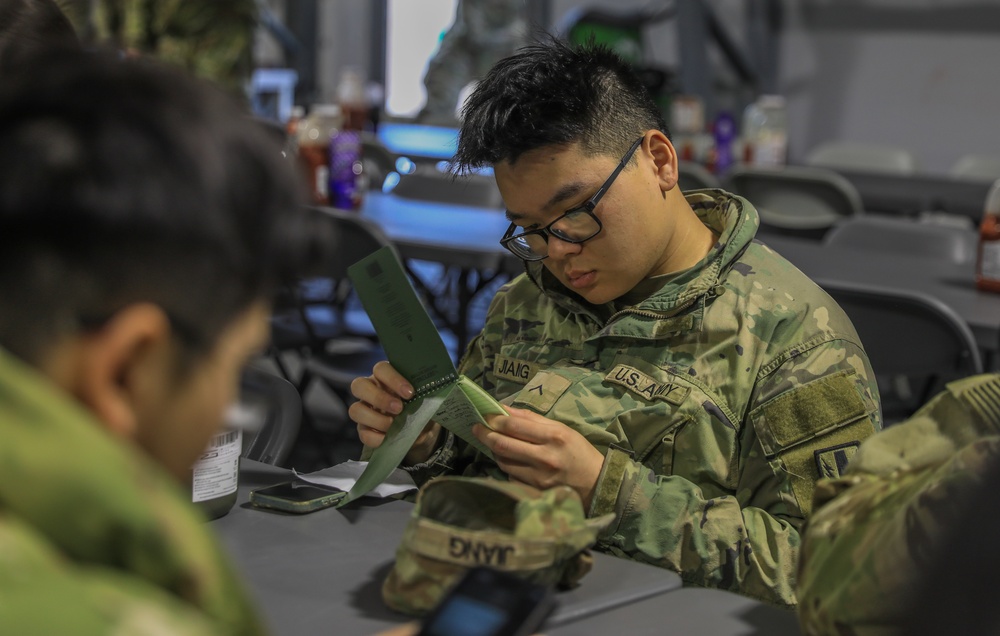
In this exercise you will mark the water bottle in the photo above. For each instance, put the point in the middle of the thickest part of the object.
(988, 258)
(765, 132)
(314, 133)
(215, 477)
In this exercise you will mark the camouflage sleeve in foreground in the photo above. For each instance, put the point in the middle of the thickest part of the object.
(876, 533)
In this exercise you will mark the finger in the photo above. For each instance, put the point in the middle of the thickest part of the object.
(372, 393)
(525, 425)
(370, 437)
(392, 380)
(364, 415)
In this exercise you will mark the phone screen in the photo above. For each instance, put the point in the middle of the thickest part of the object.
(296, 496)
(488, 602)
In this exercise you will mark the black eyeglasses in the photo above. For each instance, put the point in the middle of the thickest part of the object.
(574, 226)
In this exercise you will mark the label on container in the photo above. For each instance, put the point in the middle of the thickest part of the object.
(989, 263)
(217, 471)
(769, 150)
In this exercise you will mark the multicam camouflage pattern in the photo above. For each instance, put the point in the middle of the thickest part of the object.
(94, 539)
(872, 540)
(462, 522)
(719, 401)
(213, 40)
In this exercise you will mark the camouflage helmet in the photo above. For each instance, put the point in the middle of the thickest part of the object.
(461, 522)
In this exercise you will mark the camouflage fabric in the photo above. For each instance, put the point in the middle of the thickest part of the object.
(719, 400)
(484, 31)
(94, 539)
(213, 39)
(871, 541)
(461, 522)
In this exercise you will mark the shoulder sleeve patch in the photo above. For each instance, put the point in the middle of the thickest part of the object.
(807, 411)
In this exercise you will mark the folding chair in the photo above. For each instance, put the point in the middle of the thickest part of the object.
(862, 157)
(796, 200)
(278, 408)
(909, 334)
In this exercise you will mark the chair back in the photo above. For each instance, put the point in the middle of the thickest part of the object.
(277, 406)
(377, 160)
(428, 183)
(905, 236)
(976, 168)
(909, 335)
(796, 198)
(862, 157)
(694, 176)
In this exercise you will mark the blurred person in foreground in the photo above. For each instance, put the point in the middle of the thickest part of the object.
(905, 541)
(655, 357)
(29, 28)
(145, 221)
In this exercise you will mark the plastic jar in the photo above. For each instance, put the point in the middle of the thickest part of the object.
(765, 132)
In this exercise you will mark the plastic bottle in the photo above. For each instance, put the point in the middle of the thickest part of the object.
(346, 180)
(988, 261)
(765, 132)
(314, 133)
(215, 477)
(724, 133)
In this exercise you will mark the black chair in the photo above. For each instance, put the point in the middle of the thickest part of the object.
(428, 183)
(322, 322)
(276, 408)
(907, 334)
(796, 200)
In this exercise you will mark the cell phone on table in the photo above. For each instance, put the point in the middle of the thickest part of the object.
(488, 602)
(296, 496)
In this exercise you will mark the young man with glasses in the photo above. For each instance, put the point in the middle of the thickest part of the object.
(655, 358)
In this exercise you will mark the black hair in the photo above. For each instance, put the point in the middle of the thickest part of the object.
(551, 93)
(29, 28)
(125, 181)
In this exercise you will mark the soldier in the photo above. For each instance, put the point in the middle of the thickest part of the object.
(904, 541)
(144, 222)
(213, 40)
(655, 357)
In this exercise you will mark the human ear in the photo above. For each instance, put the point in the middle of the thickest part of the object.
(664, 159)
(122, 365)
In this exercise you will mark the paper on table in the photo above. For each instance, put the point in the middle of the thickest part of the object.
(346, 474)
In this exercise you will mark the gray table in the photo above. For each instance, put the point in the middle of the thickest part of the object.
(953, 284)
(688, 611)
(911, 194)
(321, 572)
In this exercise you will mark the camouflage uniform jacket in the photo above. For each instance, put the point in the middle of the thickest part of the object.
(878, 525)
(717, 401)
(94, 538)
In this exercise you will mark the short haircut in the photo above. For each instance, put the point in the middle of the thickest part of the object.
(549, 94)
(125, 181)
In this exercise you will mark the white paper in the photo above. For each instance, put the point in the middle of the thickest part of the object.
(345, 474)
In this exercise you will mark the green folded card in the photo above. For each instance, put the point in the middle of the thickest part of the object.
(414, 348)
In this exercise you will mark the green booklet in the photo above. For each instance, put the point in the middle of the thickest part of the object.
(414, 348)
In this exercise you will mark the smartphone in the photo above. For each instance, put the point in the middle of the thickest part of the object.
(296, 496)
(489, 602)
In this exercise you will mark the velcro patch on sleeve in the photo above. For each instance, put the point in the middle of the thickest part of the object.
(807, 411)
(541, 393)
(513, 369)
(646, 386)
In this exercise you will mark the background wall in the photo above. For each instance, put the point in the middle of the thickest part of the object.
(922, 74)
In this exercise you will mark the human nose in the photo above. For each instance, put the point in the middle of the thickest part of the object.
(559, 248)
